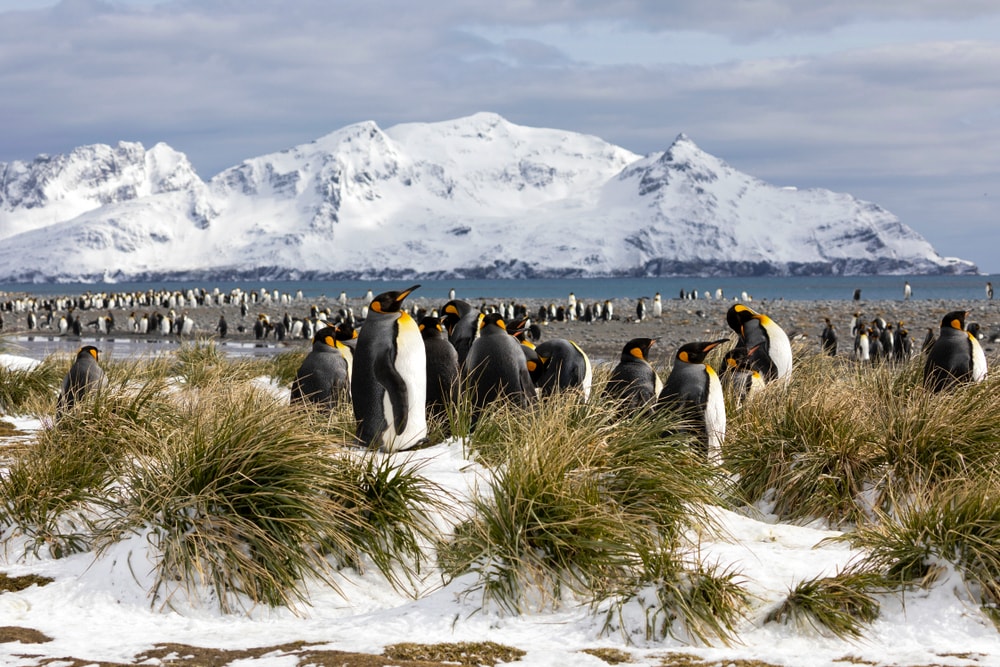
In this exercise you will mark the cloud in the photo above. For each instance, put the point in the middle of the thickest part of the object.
(895, 102)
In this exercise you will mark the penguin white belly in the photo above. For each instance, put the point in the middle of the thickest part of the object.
(780, 349)
(978, 360)
(411, 364)
(715, 416)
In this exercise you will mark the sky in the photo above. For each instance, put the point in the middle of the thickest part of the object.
(895, 102)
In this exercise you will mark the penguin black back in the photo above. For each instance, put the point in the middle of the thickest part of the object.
(496, 367)
(84, 376)
(633, 381)
(322, 378)
(442, 367)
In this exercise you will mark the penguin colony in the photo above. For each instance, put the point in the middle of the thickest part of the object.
(396, 367)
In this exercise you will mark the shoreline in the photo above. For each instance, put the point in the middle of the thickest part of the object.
(682, 321)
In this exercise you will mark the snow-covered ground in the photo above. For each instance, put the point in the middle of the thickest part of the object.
(97, 609)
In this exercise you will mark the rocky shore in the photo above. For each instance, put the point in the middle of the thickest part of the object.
(682, 320)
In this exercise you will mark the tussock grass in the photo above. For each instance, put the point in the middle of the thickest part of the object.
(956, 525)
(31, 391)
(842, 605)
(581, 503)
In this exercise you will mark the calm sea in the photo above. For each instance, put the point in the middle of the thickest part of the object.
(794, 288)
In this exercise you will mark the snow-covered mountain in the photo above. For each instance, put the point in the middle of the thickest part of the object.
(472, 197)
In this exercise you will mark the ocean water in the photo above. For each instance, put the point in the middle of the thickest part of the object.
(955, 288)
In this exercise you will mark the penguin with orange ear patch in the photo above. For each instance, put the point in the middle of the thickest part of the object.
(389, 380)
(84, 376)
(323, 377)
(496, 367)
(442, 367)
(773, 353)
(955, 357)
(633, 381)
(693, 389)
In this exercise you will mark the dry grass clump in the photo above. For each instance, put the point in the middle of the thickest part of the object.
(31, 391)
(581, 503)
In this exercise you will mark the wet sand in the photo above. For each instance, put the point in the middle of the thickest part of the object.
(682, 321)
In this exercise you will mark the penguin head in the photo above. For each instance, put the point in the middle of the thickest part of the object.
(738, 315)
(326, 336)
(519, 329)
(494, 320)
(695, 353)
(430, 326)
(457, 308)
(637, 348)
(88, 350)
(390, 302)
(345, 331)
(955, 319)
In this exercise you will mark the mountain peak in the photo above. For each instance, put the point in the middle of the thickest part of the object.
(477, 196)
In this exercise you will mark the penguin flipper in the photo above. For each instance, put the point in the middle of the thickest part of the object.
(395, 389)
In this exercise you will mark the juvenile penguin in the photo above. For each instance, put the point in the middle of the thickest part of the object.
(389, 382)
(956, 356)
(442, 367)
(633, 381)
(322, 378)
(565, 366)
(496, 367)
(694, 390)
(84, 376)
(773, 354)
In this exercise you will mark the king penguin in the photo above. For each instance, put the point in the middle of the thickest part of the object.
(442, 367)
(828, 338)
(565, 366)
(956, 356)
(496, 367)
(84, 376)
(323, 377)
(389, 382)
(462, 322)
(773, 354)
(694, 390)
(633, 381)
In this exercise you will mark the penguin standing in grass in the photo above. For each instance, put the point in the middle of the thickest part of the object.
(633, 381)
(565, 366)
(828, 338)
(955, 357)
(772, 354)
(442, 367)
(323, 378)
(462, 322)
(389, 382)
(83, 377)
(496, 368)
(694, 390)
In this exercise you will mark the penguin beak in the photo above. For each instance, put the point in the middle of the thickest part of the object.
(405, 293)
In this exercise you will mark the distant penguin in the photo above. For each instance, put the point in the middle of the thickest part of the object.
(955, 357)
(83, 377)
(633, 382)
(442, 368)
(907, 291)
(694, 390)
(565, 366)
(462, 322)
(640, 309)
(322, 378)
(657, 305)
(989, 290)
(773, 351)
(389, 382)
(496, 368)
(828, 338)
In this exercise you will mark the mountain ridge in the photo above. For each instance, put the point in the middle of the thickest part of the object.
(475, 197)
